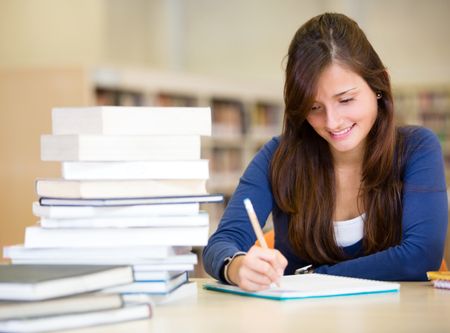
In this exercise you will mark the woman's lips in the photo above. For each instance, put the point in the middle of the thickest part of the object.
(342, 133)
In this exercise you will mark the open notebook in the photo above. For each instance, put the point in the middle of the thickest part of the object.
(312, 286)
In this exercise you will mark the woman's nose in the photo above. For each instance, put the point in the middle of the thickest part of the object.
(333, 121)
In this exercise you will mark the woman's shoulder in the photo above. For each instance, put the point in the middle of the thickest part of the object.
(422, 161)
(263, 157)
(418, 138)
(270, 146)
(274, 142)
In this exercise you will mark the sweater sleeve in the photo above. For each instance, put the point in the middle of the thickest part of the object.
(424, 220)
(235, 232)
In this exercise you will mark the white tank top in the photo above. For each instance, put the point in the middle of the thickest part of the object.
(349, 232)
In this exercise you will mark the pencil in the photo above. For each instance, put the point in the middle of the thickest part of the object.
(257, 228)
(255, 224)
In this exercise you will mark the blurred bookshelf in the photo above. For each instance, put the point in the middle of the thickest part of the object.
(428, 106)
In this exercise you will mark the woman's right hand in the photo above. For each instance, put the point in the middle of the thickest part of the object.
(257, 269)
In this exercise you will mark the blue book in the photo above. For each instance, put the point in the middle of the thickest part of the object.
(312, 286)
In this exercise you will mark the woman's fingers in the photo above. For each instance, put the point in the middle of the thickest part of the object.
(281, 263)
(253, 281)
(260, 268)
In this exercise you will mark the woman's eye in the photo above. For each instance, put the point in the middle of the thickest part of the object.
(315, 108)
(346, 100)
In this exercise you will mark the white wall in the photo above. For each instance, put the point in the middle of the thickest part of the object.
(237, 39)
(51, 32)
(249, 38)
(242, 39)
(413, 38)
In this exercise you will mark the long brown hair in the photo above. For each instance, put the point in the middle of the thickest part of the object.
(302, 170)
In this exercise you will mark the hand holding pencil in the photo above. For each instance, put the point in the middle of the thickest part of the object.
(261, 266)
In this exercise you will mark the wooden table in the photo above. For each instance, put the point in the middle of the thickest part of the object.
(418, 307)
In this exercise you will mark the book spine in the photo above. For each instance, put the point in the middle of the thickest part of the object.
(132, 121)
(135, 170)
(120, 148)
(60, 188)
(36, 237)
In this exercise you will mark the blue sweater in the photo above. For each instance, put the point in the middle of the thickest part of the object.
(424, 220)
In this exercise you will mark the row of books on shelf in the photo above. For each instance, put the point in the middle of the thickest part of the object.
(129, 195)
(121, 97)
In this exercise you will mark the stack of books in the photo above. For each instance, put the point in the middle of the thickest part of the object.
(130, 192)
(39, 298)
(439, 279)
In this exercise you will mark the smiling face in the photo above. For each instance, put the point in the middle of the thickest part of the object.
(344, 111)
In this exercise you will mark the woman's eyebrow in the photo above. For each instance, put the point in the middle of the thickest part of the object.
(344, 92)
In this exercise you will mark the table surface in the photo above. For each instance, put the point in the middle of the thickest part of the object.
(418, 307)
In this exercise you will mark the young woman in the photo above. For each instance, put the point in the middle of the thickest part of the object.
(349, 192)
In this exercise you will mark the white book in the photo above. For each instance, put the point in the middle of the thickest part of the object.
(186, 291)
(77, 320)
(155, 275)
(189, 258)
(163, 267)
(59, 306)
(137, 268)
(77, 212)
(136, 170)
(20, 252)
(84, 238)
(119, 148)
(149, 287)
(126, 120)
(117, 202)
(39, 282)
(201, 219)
(91, 189)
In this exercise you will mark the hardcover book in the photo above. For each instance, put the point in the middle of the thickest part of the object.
(39, 282)
(188, 258)
(91, 189)
(128, 120)
(150, 287)
(20, 252)
(117, 202)
(77, 320)
(74, 212)
(58, 306)
(201, 219)
(136, 170)
(129, 237)
(86, 147)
